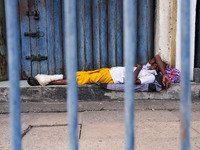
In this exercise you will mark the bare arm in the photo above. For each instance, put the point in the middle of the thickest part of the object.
(161, 65)
(58, 82)
(136, 72)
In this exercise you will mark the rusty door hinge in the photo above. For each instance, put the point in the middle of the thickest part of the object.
(36, 34)
(34, 13)
(36, 58)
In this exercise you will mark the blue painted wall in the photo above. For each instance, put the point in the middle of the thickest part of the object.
(99, 34)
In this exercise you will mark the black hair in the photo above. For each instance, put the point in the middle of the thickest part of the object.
(32, 81)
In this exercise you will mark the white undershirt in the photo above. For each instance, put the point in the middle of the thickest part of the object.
(145, 75)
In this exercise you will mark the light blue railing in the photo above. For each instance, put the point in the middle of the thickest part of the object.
(12, 27)
(185, 103)
(70, 34)
(130, 35)
(70, 46)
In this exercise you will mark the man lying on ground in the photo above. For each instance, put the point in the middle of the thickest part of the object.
(156, 86)
(115, 75)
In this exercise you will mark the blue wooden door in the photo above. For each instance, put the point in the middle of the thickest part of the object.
(41, 37)
(100, 35)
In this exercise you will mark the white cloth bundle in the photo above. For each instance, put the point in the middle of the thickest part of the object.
(44, 79)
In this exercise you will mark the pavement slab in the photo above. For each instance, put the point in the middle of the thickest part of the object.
(47, 137)
(102, 131)
(96, 144)
(101, 117)
(100, 136)
(195, 125)
(5, 143)
(155, 116)
(157, 144)
(160, 130)
(101, 126)
(196, 143)
(30, 121)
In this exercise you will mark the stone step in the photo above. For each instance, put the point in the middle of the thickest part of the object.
(89, 92)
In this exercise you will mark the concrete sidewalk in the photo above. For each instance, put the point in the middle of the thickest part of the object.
(101, 125)
(89, 92)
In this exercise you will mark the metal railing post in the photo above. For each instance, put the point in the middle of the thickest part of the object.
(185, 95)
(70, 46)
(130, 46)
(12, 28)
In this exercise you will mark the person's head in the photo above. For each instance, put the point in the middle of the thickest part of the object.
(32, 81)
(154, 67)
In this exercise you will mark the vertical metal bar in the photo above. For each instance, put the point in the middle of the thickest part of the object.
(185, 75)
(142, 33)
(12, 28)
(70, 46)
(130, 46)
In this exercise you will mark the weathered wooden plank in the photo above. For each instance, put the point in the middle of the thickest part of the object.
(80, 38)
(25, 41)
(112, 32)
(58, 36)
(119, 32)
(142, 32)
(150, 29)
(41, 42)
(33, 46)
(88, 34)
(50, 37)
(104, 31)
(96, 32)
